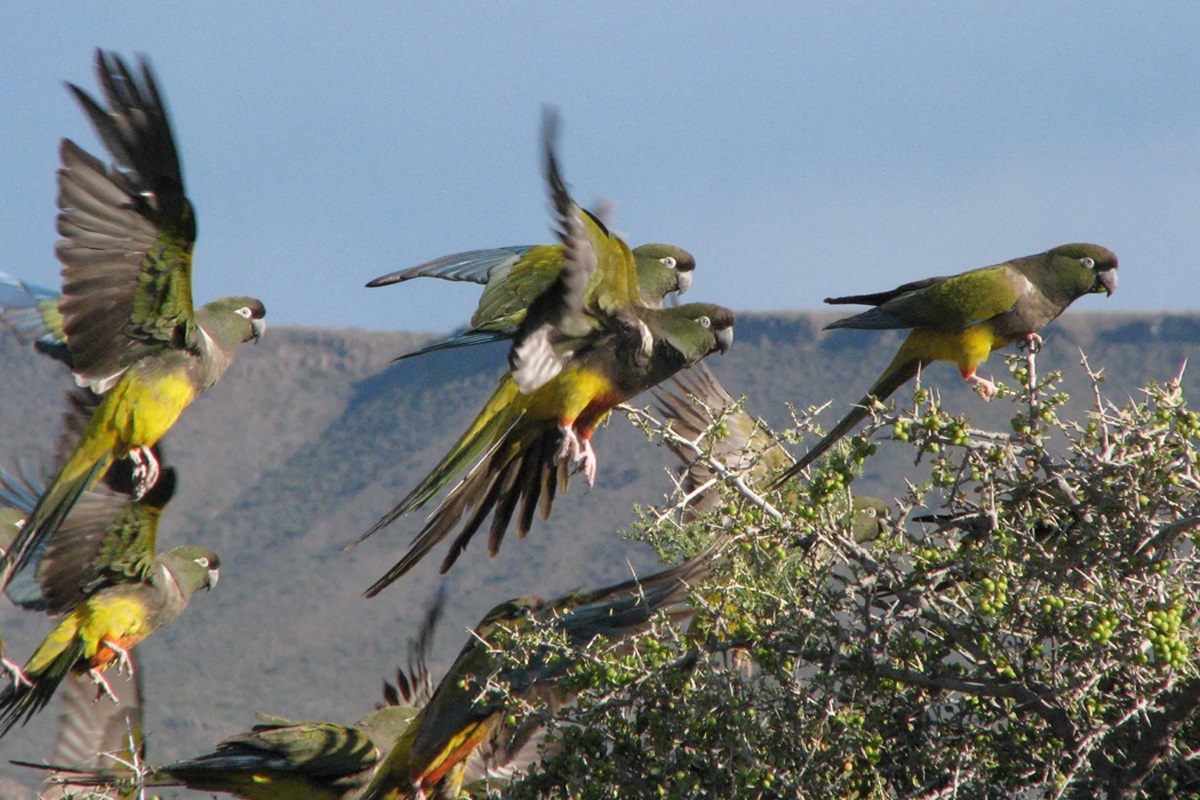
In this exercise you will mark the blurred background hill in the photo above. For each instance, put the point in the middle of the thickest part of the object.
(314, 434)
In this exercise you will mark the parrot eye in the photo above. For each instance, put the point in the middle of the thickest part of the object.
(1087, 262)
(705, 322)
(202, 561)
(667, 262)
(870, 512)
(244, 311)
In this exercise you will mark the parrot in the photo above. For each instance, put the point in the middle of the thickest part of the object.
(100, 572)
(283, 759)
(431, 755)
(586, 345)
(962, 318)
(514, 276)
(747, 445)
(100, 631)
(127, 312)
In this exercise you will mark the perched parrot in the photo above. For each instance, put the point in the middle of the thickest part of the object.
(963, 318)
(586, 345)
(513, 277)
(127, 298)
(430, 758)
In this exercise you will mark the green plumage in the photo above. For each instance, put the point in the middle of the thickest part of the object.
(962, 318)
(465, 712)
(127, 313)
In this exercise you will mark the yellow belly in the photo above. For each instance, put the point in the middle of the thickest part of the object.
(967, 348)
(566, 397)
(120, 620)
(140, 409)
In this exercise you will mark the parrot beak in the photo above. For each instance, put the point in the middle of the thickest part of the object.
(257, 328)
(685, 281)
(214, 575)
(724, 339)
(1107, 280)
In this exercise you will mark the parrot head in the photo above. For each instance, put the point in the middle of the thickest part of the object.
(230, 321)
(661, 269)
(193, 567)
(715, 326)
(1099, 261)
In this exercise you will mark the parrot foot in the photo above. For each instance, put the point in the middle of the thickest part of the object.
(577, 453)
(104, 690)
(124, 662)
(18, 676)
(1033, 343)
(568, 449)
(987, 389)
(586, 463)
(145, 470)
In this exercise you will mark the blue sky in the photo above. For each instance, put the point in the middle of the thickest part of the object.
(799, 150)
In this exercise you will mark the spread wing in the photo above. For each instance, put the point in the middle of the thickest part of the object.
(127, 231)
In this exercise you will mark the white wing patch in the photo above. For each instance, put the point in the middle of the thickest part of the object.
(535, 361)
(100, 385)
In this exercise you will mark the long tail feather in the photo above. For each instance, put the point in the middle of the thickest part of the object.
(49, 513)
(494, 423)
(898, 373)
(468, 338)
(508, 475)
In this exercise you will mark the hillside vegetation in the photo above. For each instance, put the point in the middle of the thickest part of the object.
(314, 434)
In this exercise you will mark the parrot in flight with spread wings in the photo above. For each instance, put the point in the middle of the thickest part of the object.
(127, 314)
(586, 344)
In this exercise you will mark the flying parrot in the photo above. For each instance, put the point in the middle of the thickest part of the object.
(587, 344)
(127, 310)
(514, 276)
(100, 631)
(962, 318)
(430, 758)
(101, 572)
(282, 759)
(692, 402)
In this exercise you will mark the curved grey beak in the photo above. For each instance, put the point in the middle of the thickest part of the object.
(724, 339)
(684, 279)
(214, 575)
(1108, 281)
(257, 328)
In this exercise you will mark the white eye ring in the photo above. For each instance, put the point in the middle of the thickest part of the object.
(870, 512)
(244, 311)
(668, 262)
(202, 561)
(1087, 262)
(705, 322)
